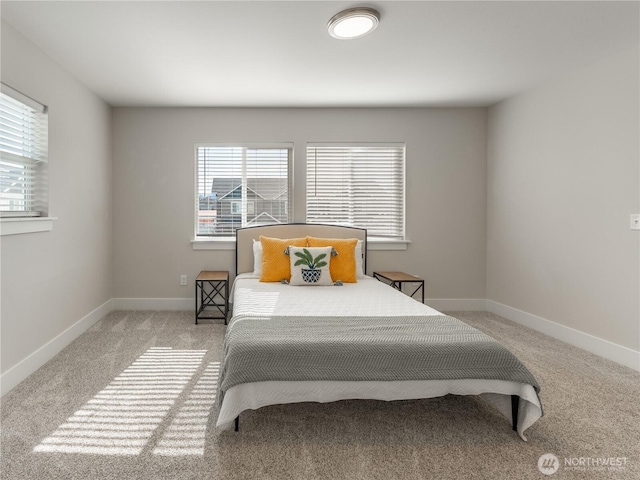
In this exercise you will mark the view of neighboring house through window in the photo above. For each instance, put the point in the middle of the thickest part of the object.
(357, 185)
(23, 155)
(241, 186)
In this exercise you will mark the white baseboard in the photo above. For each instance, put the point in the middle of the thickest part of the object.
(457, 304)
(153, 304)
(604, 348)
(24, 368)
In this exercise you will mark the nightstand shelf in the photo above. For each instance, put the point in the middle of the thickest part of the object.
(212, 293)
(397, 279)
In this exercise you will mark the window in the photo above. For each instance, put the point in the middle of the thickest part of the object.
(242, 186)
(357, 185)
(236, 207)
(23, 155)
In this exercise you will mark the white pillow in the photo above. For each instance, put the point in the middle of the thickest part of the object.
(359, 269)
(302, 274)
(257, 258)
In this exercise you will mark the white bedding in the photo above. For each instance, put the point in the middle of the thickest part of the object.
(368, 297)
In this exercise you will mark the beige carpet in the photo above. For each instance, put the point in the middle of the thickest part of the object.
(132, 399)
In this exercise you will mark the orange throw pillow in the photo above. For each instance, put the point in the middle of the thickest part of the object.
(342, 266)
(275, 263)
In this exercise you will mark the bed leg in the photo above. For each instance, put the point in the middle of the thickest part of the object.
(515, 402)
(237, 423)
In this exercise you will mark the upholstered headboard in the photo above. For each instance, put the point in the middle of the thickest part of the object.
(246, 236)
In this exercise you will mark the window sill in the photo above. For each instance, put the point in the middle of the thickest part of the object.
(217, 243)
(386, 244)
(229, 243)
(18, 226)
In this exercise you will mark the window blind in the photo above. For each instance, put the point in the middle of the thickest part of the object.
(357, 185)
(242, 186)
(23, 155)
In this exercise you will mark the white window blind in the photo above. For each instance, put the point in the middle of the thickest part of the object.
(357, 185)
(23, 155)
(242, 186)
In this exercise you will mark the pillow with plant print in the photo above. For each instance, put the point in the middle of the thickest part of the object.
(310, 266)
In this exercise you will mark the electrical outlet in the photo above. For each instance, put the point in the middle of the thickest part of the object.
(635, 221)
(183, 280)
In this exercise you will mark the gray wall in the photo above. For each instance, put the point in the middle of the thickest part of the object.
(153, 162)
(51, 280)
(563, 177)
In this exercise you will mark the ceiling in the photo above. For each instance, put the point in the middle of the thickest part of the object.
(265, 54)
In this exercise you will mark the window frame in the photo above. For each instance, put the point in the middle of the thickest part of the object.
(35, 219)
(200, 242)
(389, 242)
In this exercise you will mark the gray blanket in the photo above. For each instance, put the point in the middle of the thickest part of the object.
(363, 348)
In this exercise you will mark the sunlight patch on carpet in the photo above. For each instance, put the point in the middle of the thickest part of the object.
(185, 435)
(123, 417)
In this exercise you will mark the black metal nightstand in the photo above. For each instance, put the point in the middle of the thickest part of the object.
(212, 291)
(396, 279)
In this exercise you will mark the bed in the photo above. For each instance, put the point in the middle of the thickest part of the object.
(364, 340)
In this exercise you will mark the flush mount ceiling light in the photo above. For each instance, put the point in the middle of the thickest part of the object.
(353, 23)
